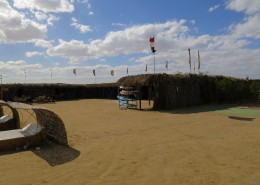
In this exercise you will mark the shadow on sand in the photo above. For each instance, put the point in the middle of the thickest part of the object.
(54, 154)
(198, 109)
(241, 118)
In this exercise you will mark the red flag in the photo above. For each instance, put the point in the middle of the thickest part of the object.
(152, 44)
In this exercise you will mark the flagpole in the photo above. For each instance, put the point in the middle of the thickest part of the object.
(154, 62)
(51, 75)
(166, 65)
(190, 61)
(25, 75)
(198, 61)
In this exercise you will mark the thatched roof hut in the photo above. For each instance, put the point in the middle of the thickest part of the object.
(184, 90)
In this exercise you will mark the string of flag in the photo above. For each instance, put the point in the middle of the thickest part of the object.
(152, 40)
(112, 72)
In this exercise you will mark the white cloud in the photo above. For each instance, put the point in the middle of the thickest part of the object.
(89, 7)
(51, 19)
(75, 51)
(18, 67)
(249, 7)
(40, 16)
(225, 42)
(131, 40)
(90, 13)
(45, 5)
(119, 24)
(82, 28)
(213, 8)
(30, 54)
(42, 43)
(15, 27)
(250, 28)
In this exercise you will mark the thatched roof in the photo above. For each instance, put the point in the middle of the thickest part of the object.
(151, 79)
(59, 85)
(156, 79)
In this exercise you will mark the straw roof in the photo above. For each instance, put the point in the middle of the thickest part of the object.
(151, 79)
(137, 80)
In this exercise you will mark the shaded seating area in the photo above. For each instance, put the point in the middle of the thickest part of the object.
(7, 123)
(30, 135)
(7, 119)
(19, 130)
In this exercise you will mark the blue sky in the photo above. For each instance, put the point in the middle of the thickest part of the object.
(42, 41)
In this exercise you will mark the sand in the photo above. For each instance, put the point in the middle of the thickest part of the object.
(109, 146)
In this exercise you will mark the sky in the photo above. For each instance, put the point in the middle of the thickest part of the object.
(43, 41)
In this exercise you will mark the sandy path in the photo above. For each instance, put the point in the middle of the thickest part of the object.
(143, 147)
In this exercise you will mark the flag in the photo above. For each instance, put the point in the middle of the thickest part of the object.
(74, 71)
(146, 68)
(127, 70)
(112, 72)
(166, 65)
(198, 59)
(152, 44)
(189, 58)
(94, 72)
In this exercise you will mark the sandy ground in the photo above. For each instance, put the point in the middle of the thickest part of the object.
(109, 146)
